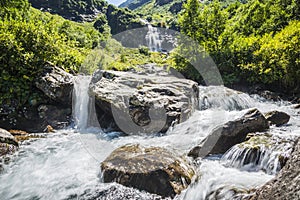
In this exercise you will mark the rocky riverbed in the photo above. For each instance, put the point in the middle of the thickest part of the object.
(209, 142)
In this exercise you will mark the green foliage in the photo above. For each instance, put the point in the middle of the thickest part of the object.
(144, 50)
(278, 58)
(13, 9)
(33, 38)
(159, 15)
(256, 42)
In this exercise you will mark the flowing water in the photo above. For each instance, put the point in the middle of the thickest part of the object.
(66, 164)
(153, 38)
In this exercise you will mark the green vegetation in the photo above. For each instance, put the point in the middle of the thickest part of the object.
(113, 56)
(256, 42)
(29, 39)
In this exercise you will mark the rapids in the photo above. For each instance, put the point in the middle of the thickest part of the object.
(66, 164)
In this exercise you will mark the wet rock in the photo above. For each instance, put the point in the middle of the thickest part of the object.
(8, 143)
(264, 151)
(225, 136)
(54, 117)
(118, 192)
(7, 138)
(297, 106)
(146, 100)
(277, 118)
(56, 84)
(286, 185)
(17, 132)
(153, 169)
(269, 95)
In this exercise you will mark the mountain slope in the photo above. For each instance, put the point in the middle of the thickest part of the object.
(133, 4)
(97, 11)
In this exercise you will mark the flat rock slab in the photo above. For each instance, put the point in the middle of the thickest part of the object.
(149, 100)
(154, 169)
(56, 84)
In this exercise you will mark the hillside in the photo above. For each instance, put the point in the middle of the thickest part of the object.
(133, 4)
(98, 11)
(161, 13)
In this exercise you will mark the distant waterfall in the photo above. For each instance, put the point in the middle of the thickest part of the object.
(153, 38)
(84, 113)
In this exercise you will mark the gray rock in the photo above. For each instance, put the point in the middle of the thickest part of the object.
(278, 118)
(147, 100)
(56, 84)
(57, 117)
(7, 138)
(8, 143)
(225, 136)
(286, 185)
(153, 169)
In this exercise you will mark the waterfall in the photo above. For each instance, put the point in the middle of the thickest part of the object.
(84, 113)
(153, 38)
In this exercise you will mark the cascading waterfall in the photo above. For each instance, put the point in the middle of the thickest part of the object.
(267, 157)
(84, 113)
(153, 38)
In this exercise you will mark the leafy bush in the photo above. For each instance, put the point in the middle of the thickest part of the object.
(257, 42)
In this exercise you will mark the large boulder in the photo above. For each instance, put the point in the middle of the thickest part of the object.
(146, 100)
(286, 185)
(231, 133)
(277, 118)
(154, 169)
(56, 84)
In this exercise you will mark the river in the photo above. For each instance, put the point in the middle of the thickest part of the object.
(66, 164)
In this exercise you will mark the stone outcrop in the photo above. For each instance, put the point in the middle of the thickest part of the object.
(277, 118)
(227, 135)
(146, 100)
(154, 169)
(56, 84)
